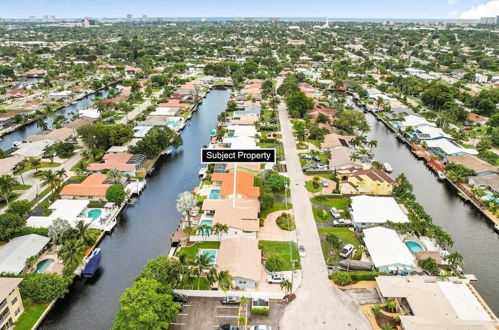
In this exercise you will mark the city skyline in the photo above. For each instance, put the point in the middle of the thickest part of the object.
(441, 9)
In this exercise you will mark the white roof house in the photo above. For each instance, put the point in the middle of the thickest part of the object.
(414, 121)
(91, 113)
(13, 255)
(433, 304)
(241, 137)
(387, 251)
(444, 147)
(69, 210)
(373, 210)
(165, 111)
(427, 132)
(33, 149)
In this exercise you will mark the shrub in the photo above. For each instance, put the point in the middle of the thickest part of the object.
(21, 207)
(260, 311)
(274, 263)
(43, 287)
(285, 222)
(365, 276)
(323, 214)
(342, 278)
(116, 194)
(10, 225)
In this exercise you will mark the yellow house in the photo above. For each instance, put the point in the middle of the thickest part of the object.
(11, 304)
(370, 182)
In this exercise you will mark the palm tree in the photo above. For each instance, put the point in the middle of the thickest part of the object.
(41, 124)
(82, 232)
(205, 231)
(30, 262)
(61, 174)
(455, 260)
(20, 169)
(286, 286)
(189, 231)
(34, 163)
(81, 168)
(114, 175)
(71, 252)
(202, 262)
(372, 144)
(224, 280)
(6, 183)
(219, 229)
(316, 181)
(51, 179)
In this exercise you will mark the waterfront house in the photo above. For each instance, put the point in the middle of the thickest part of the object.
(8, 164)
(11, 303)
(240, 137)
(334, 140)
(489, 182)
(241, 257)
(341, 157)
(245, 187)
(474, 163)
(242, 220)
(173, 104)
(354, 181)
(244, 120)
(477, 119)
(14, 254)
(124, 162)
(444, 147)
(388, 253)
(428, 132)
(92, 188)
(425, 302)
(69, 210)
(414, 121)
(33, 149)
(131, 71)
(367, 211)
(56, 135)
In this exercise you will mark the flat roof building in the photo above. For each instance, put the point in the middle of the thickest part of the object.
(370, 211)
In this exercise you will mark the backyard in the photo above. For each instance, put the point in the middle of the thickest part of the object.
(331, 254)
(190, 252)
(31, 314)
(286, 251)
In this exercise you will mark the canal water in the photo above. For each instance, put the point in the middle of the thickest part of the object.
(144, 230)
(473, 234)
(31, 129)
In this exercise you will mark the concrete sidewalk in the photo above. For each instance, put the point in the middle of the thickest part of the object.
(318, 305)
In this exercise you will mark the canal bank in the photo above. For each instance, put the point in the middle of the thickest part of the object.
(473, 234)
(143, 232)
(24, 131)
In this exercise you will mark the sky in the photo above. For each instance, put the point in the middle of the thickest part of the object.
(257, 8)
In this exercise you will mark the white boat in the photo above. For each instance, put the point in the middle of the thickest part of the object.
(202, 172)
(441, 176)
(496, 228)
(17, 144)
(387, 168)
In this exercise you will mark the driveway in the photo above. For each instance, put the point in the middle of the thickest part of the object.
(271, 231)
(318, 305)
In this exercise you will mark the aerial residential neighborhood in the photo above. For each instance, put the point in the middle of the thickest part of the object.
(249, 168)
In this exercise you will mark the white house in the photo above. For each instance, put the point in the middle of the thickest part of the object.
(14, 254)
(370, 211)
(70, 210)
(387, 251)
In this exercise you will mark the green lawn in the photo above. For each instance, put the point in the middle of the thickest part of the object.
(278, 206)
(310, 186)
(31, 314)
(203, 284)
(316, 143)
(192, 251)
(285, 250)
(78, 178)
(266, 145)
(43, 165)
(341, 204)
(319, 219)
(21, 187)
(345, 234)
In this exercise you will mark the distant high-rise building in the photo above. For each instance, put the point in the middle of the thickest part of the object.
(144, 18)
(273, 19)
(32, 18)
(488, 20)
(129, 17)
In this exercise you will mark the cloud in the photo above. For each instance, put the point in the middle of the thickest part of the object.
(488, 9)
(451, 2)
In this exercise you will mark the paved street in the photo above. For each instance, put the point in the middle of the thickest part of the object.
(318, 305)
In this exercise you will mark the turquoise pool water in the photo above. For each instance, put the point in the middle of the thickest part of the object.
(173, 123)
(207, 223)
(415, 247)
(214, 194)
(213, 132)
(42, 265)
(211, 253)
(394, 123)
(230, 134)
(94, 213)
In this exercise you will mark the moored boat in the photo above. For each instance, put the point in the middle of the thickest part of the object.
(387, 168)
(92, 265)
(441, 176)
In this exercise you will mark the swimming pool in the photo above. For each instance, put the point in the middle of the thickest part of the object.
(214, 194)
(210, 253)
(43, 265)
(206, 223)
(415, 247)
(94, 214)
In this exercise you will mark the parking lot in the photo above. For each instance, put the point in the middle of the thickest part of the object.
(209, 313)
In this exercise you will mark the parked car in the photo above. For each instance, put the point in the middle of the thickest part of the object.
(306, 156)
(325, 183)
(317, 158)
(231, 300)
(346, 251)
(275, 278)
(181, 298)
(261, 327)
(342, 223)
(301, 250)
(335, 213)
(227, 327)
